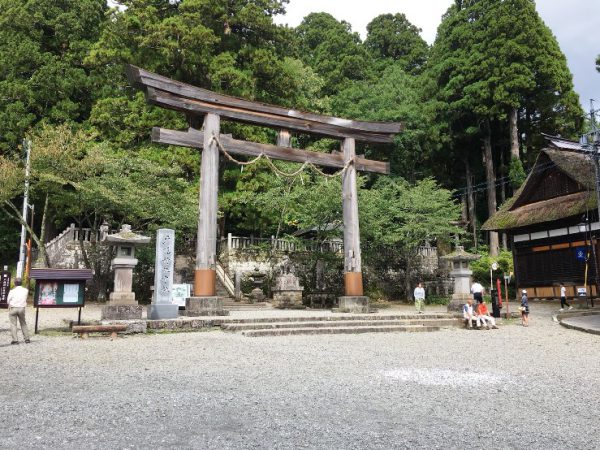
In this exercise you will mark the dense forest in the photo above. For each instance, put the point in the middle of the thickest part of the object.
(473, 104)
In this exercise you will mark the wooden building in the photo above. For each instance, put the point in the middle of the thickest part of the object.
(552, 221)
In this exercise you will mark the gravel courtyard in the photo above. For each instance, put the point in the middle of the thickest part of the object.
(515, 387)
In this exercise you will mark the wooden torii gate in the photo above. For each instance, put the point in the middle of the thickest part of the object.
(197, 103)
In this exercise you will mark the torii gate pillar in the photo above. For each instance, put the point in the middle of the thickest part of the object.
(354, 299)
(205, 300)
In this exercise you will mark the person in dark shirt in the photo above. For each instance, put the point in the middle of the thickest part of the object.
(524, 308)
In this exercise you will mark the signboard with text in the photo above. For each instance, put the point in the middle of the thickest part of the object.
(4, 288)
(60, 288)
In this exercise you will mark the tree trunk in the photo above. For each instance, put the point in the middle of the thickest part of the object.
(16, 214)
(471, 202)
(407, 279)
(42, 254)
(503, 172)
(491, 184)
(464, 210)
(514, 134)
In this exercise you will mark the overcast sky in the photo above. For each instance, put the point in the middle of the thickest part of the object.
(575, 23)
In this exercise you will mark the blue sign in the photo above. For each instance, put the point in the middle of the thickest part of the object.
(580, 253)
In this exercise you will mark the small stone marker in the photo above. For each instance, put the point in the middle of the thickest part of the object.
(287, 292)
(162, 306)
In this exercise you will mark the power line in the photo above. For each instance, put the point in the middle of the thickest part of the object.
(483, 186)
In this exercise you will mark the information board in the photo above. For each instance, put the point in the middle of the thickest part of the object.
(59, 293)
(179, 293)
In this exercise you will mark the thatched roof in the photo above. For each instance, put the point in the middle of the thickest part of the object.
(517, 213)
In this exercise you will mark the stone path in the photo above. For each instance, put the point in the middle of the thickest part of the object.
(589, 324)
(515, 387)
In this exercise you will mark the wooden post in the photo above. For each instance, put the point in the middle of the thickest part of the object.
(284, 138)
(206, 249)
(352, 260)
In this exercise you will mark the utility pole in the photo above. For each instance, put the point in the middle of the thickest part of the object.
(591, 143)
(21, 263)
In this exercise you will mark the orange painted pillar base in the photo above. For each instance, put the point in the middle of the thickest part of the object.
(353, 284)
(205, 283)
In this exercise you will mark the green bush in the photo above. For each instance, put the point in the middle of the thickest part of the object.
(437, 300)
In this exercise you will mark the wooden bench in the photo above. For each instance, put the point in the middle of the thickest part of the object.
(85, 330)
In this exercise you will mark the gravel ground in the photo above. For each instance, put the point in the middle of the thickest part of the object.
(515, 387)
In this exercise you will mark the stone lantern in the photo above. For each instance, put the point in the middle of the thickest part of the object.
(459, 261)
(122, 304)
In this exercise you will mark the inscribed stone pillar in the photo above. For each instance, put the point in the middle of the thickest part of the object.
(162, 306)
(353, 300)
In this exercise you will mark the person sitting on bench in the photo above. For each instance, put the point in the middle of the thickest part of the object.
(468, 313)
(483, 317)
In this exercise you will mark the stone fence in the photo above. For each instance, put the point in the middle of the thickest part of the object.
(281, 245)
(64, 251)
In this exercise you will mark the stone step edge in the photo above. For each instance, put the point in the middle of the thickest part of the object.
(340, 317)
(235, 327)
(350, 330)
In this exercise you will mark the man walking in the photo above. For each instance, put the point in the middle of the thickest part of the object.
(477, 291)
(563, 298)
(419, 295)
(17, 301)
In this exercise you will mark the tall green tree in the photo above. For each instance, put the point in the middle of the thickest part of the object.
(393, 96)
(333, 50)
(495, 65)
(393, 37)
(402, 215)
(43, 44)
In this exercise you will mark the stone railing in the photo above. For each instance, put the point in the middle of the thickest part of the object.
(56, 247)
(281, 245)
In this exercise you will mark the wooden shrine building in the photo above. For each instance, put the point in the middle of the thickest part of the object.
(553, 222)
(204, 110)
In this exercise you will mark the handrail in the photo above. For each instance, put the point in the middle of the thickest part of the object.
(225, 279)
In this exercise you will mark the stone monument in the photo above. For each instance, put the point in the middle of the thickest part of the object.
(459, 262)
(287, 292)
(122, 304)
(257, 294)
(162, 306)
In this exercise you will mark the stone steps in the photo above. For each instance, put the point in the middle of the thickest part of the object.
(231, 305)
(345, 317)
(339, 324)
(341, 330)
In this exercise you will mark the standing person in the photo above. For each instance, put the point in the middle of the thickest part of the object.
(563, 298)
(17, 301)
(524, 308)
(419, 295)
(477, 291)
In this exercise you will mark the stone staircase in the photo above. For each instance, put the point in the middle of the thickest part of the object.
(231, 305)
(351, 324)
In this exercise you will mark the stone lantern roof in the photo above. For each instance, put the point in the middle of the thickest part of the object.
(126, 237)
(459, 254)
